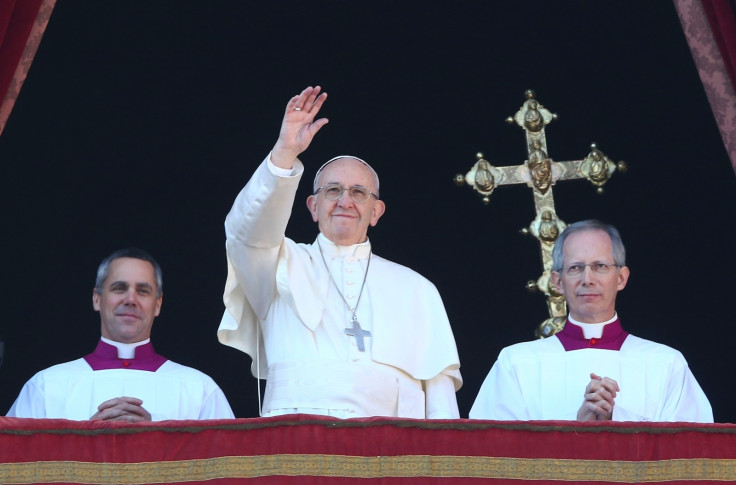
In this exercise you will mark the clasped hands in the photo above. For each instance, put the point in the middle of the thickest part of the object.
(121, 409)
(599, 399)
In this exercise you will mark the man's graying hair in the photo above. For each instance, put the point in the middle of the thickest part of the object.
(103, 271)
(619, 252)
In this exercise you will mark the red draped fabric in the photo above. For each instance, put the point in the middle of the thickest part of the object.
(722, 19)
(22, 24)
(710, 29)
(302, 449)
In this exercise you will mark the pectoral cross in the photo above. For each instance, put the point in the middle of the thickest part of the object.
(540, 173)
(358, 333)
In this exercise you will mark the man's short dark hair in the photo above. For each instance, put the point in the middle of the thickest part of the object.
(103, 270)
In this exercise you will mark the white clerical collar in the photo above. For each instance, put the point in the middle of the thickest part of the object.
(592, 330)
(125, 351)
(332, 250)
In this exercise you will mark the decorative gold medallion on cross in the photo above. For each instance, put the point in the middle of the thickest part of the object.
(540, 173)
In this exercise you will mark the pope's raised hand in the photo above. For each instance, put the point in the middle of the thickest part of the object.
(298, 126)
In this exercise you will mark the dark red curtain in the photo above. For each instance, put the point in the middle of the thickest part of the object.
(722, 19)
(22, 23)
(710, 29)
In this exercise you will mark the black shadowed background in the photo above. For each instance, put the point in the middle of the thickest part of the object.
(139, 122)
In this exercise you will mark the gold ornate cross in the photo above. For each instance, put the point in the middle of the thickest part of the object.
(540, 173)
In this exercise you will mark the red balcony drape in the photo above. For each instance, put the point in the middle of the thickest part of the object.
(302, 449)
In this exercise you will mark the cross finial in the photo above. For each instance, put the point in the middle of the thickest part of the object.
(541, 173)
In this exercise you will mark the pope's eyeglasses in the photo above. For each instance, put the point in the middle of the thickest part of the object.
(578, 269)
(357, 193)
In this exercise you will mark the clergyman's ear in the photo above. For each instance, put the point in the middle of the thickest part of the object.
(378, 210)
(557, 281)
(95, 300)
(312, 206)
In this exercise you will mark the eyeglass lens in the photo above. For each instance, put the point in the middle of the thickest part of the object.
(356, 192)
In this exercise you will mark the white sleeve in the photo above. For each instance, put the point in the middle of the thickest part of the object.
(682, 400)
(278, 171)
(30, 402)
(255, 230)
(441, 402)
(215, 406)
(500, 396)
(685, 400)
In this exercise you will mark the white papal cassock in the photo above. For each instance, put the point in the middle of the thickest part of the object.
(284, 311)
(546, 379)
(73, 390)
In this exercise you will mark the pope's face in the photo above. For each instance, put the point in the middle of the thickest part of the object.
(128, 302)
(344, 221)
(591, 296)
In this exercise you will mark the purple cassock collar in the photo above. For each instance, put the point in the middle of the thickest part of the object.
(105, 357)
(572, 337)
